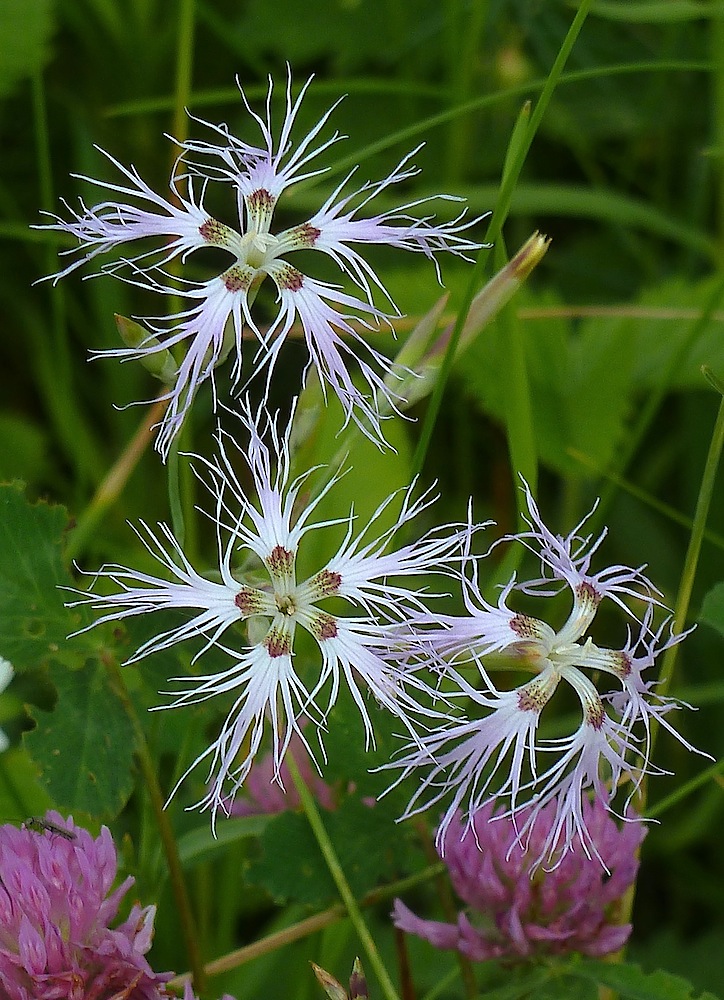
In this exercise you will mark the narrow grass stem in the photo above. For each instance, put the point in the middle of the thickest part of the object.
(514, 164)
(703, 503)
(335, 870)
(168, 841)
(680, 611)
(310, 925)
(113, 482)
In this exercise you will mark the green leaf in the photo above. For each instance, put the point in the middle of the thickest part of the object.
(349, 758)
(34, 623)
(631, 981)
(200, 844)
(300, 874)
(25, 29)
(365, 839)
(21, 794)
(712, 608)
(84, 748)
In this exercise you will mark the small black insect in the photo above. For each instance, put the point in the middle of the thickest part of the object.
(40, 825)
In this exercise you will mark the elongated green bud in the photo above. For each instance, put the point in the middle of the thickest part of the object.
(484, 307)
(160, 363)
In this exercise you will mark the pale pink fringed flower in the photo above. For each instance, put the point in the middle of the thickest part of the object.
(217, 310)
(494, 754)
(57, 904)
(519, 911)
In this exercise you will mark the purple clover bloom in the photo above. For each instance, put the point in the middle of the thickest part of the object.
(217, 310)
(56, 908)
(495, 754)
(520, 911)
(358, 646)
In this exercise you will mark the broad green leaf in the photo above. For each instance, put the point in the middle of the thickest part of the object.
(200, 844)
(84, 748)
(349, 758)
(25, 30)
(712, 608)
(364, 838)
(34, 623)
(299, 874)
(21, 793)
(630, 981)
(601, 383)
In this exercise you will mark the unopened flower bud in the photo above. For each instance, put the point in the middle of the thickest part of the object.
(156, 359)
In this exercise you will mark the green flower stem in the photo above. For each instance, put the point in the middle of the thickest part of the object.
(680, 611)
(310, 925)
(683, 598)
(335, 869)
(184, 64)
(168, 841)
(518, 150)
(175, 475)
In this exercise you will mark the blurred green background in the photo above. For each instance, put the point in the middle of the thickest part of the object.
(625, 175)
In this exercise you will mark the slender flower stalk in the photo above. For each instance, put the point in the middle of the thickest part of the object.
(358, 639)
(217, 310)
(495, 754)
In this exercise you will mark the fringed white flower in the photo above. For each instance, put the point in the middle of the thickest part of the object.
(253, 615)
(217, 311)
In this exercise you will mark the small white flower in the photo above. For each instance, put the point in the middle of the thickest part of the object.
(218, 310)
(357, 646)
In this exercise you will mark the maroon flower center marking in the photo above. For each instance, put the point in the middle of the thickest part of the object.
(524, 626)
(260, 201)
(588, 594)
(595, 714)
(290, 279)
(326, 582)
(237, 279)
(277, 643)
(247, 601)
(534, 696)
(325, 626)
(623, 664)
(215, 232)
(306, 235)
(280, 561)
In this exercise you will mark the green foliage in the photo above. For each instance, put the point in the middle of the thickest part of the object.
(25, 29)
(712, 609)
(84, 747)
(632, 982)
(34, 624)
(364, 838)
(624, 173)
